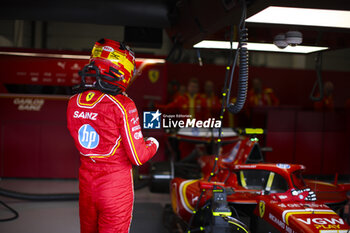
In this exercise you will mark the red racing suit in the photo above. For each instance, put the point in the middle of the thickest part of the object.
(108, 136)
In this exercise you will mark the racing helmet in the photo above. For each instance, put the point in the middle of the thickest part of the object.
(112, 64)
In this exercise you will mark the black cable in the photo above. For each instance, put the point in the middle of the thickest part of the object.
(243, 67)
(242, 88)
(240, 27)
(39, 197)
(34, 197)
(237, 215)
(226, 94)
(175, 53)
(11, 210)
(319, 81)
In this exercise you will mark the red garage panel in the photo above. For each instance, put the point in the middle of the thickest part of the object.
(334, 154)
(309, 141)
(282, 144)
(308, 151)
(35, 140)
(21, 147)
(281, 135)
(334, 150)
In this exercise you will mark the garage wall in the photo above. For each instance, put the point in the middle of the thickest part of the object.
(35, 141)
(318, 140)
(291, 86)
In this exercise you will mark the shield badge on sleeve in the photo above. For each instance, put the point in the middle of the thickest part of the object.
(153, 75)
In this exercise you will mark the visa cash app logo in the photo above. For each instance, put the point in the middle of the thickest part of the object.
(88, 137)
(151, 120)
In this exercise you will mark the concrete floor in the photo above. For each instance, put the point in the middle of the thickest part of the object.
(63, 216)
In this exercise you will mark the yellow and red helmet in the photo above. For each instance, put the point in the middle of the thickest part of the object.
(115, 60)
(112, 64)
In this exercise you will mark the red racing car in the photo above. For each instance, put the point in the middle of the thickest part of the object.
(263, 197)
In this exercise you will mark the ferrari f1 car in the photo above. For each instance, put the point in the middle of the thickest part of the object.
(242, 194)
(264, 197)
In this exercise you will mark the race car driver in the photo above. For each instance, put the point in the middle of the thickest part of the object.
(105, 126)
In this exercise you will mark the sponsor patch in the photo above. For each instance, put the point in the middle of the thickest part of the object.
(138, 135)
(88, 137)
(277, 221)
(85, 115)
(135, 128)
(283, 165)
(322, 221)
(108, 49)
(132, 110)
(89, 96)
(135, 120)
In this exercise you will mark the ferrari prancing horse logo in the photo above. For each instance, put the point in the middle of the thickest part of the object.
(153, 75)
(89, 96)
(261, 208)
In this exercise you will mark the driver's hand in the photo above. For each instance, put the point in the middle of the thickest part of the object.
(152, 140)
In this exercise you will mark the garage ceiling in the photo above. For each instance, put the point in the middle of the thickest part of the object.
(108, 12)
(186, 21)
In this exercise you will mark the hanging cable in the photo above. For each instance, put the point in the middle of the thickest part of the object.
(242, 91)
(319, 81)
(175, 53)
(243, 79)
(243, 68)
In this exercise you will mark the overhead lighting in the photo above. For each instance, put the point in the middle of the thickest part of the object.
(212, 44)
(302, 16)
(151, 60)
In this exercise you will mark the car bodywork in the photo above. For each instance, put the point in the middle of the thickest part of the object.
(272, 197)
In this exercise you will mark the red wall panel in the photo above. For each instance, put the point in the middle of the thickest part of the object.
(309, 140)
(283, 146)
(334, 153)
(317, 140)
(281, 135)
(21, 145)
(308, 151)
